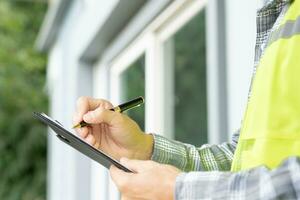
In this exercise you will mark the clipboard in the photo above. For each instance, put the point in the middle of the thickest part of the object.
(79, 144)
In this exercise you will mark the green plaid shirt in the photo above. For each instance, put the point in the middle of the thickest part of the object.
(219, 182)
(189, 158)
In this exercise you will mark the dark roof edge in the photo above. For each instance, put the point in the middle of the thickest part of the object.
(143, 16)
(51, 25)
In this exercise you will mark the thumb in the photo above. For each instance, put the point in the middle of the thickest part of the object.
(137, 165)
(120, 178)
(101, 115)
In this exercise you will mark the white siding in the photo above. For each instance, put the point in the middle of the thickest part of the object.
(240, 55)
(69, 172)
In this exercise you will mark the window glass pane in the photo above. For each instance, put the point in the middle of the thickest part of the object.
(133, 85)
(189, 81)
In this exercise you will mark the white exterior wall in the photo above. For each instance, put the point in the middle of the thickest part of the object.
(69, 172)
(241, 29)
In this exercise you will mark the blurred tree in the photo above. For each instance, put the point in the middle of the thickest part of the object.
(22, 80)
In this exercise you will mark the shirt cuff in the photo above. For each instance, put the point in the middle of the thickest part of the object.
(167, 151)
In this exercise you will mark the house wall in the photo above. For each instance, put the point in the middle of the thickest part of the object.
(240, 40)
(69, 173)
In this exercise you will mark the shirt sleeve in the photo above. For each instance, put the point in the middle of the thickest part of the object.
(190, 158)
(257, 183)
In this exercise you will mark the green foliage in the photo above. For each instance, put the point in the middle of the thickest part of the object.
(22, 80)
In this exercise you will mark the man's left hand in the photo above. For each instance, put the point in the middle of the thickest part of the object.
(150, 181)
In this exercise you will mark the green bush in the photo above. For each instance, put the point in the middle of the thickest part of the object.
(22, 80)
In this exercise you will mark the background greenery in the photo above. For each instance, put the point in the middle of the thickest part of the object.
(22, 80)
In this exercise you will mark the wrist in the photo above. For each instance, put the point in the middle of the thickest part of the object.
(145, 149)
(149, 140)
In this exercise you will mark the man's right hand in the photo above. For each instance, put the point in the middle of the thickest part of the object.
(112, 132)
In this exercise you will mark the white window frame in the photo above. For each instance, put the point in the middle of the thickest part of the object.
(157, 84)
(151, 42)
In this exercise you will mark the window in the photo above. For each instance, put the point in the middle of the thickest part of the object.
(132, 86)
(185, 56)
(127, 81)
(166, 63)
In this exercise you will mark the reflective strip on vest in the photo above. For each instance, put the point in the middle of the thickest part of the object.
(289, 29)
(270, 131)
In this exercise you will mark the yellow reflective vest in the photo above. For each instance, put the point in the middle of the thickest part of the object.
(270, 131)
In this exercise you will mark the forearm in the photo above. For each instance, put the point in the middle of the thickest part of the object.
(258, 183)
(190, 158)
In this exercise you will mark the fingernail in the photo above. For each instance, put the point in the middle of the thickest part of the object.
(87, 117)
(83, 132)
(76, 119)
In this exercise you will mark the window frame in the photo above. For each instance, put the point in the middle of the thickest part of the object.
(157, 84)
(151, 42)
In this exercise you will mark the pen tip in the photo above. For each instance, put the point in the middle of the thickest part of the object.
(76, 126)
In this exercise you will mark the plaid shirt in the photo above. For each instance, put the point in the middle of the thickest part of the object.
(220, 183)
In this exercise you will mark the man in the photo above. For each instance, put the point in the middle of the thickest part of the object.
(264, 163)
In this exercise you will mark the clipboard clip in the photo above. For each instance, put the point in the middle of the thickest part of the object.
(63, 139)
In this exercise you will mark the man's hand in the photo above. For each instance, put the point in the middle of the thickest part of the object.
(150, 181)
(112, 132)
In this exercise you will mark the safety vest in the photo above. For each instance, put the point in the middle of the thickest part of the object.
(270, 131)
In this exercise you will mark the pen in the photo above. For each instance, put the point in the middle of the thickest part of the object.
(120, 108)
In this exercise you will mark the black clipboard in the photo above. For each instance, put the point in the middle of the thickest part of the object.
(79, 144)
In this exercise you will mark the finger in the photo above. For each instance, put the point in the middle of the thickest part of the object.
(76, 118)
(137, 165)
(128, 198)
(90, 139)
(120, 178)
(82, 132)
(97, 145)
(85, 104)
(101, 115)
(125, 198)
(97, 133)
